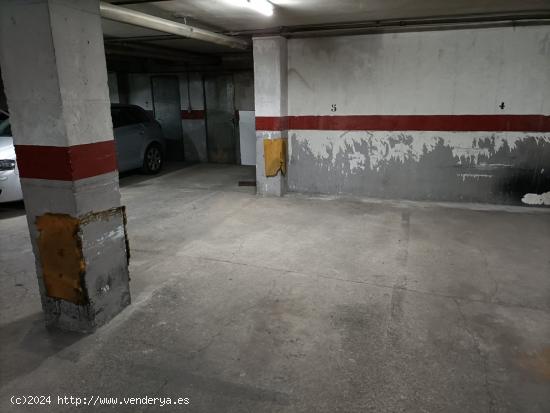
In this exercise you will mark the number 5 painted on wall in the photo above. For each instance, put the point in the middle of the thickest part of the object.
(333, 108)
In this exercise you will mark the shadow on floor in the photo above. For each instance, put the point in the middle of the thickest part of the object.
(136, 177)
(12, 209)
(27, 342)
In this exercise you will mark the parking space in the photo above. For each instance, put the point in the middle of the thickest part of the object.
(245, 303)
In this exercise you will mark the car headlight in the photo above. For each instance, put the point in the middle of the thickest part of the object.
(7, 164)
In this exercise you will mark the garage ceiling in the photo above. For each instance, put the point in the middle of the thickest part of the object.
(223, 16)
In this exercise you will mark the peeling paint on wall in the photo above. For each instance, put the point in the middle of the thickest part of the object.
(536, 199)
(477, 166)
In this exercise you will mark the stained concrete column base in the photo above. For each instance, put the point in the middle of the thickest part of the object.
(268, 185)
(81, 250)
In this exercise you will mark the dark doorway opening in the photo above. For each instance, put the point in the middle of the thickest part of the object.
(167, 109)
(219, 94)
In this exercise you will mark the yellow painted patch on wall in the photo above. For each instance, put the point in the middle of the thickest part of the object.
(275, 156)
(61, 257)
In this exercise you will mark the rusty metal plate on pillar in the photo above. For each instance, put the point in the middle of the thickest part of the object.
(61, 257)
(275, 156)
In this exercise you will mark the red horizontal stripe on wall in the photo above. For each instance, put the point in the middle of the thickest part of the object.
(272, 123)
(66, 163)
(451, 123)
(192, 114)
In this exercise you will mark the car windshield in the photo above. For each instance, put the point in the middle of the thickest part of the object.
(124, 116)
(5, 129)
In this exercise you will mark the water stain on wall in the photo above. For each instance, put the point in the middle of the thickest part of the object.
(489, 168)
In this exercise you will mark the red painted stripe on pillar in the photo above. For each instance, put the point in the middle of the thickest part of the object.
(450, 123)
(66, 163)
(192, 114)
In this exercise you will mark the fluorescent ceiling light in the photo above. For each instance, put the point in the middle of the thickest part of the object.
(261, 6)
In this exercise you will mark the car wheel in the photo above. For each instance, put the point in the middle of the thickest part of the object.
(152, 161)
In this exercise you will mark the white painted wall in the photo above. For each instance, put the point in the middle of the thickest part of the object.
(425, 73)
(453, 72)
(247, 137)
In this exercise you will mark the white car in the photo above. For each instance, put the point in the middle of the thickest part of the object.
(138, 137)
(10, 187)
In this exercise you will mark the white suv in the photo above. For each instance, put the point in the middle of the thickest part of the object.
(10, 187)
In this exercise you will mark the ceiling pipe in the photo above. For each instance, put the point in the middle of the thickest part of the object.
(411, 28)
(136, 18)
(404, 25)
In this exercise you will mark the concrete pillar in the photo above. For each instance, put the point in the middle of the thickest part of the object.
(54, 71)
(270, 93)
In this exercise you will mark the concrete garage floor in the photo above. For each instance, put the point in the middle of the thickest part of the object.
(299, 304)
